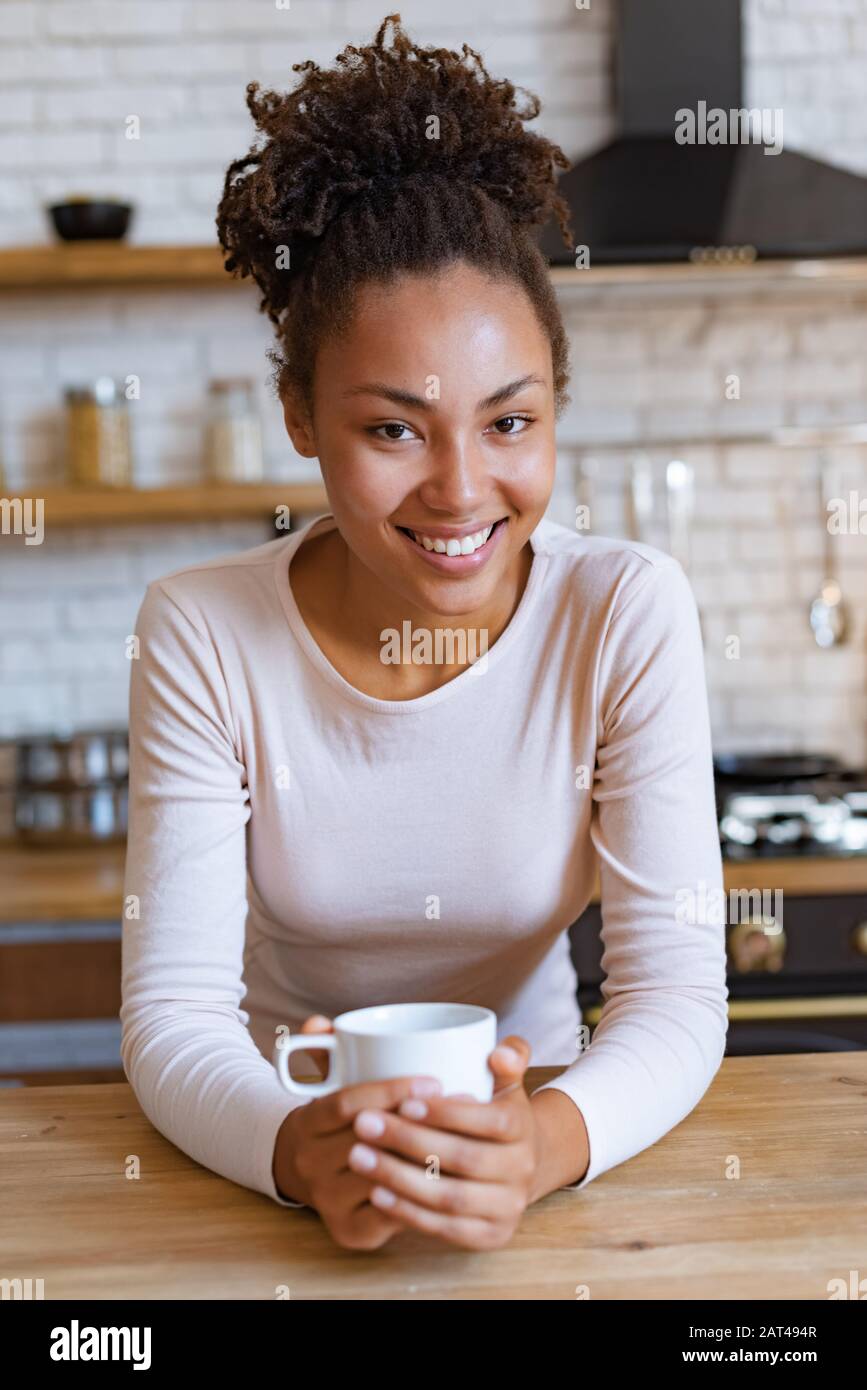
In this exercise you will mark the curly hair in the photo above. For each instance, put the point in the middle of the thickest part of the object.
(400, 159)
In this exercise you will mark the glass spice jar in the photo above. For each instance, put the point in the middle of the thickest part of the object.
(234, 435)
(97, 435)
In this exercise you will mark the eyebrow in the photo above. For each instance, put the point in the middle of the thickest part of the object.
(394, 393)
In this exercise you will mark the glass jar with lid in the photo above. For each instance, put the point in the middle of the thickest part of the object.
(98, 451)
(234, 435)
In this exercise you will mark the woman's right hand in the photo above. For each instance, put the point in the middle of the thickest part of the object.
(311, 1155)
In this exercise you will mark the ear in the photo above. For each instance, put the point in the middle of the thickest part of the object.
(298, 425)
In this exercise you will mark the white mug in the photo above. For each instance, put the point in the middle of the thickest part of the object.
(451, 1042)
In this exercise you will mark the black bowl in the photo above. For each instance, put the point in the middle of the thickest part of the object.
(91, 221)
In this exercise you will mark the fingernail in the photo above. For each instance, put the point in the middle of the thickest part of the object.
(369, 1125)
(360, 1156)
(425, 1086)
(508, 1055)
(412, 1109)
(318, 1021)
(382, 1197)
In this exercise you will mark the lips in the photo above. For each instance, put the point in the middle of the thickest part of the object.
(455, 554)
(451, 543)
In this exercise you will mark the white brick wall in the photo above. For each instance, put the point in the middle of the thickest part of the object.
(647, 364)
(757, 560)
(67, 607)
(75, 69)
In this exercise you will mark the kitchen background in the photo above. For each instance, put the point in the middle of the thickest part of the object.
(651, 359)
(654, 355)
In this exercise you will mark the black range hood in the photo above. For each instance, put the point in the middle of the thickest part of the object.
(645, 198)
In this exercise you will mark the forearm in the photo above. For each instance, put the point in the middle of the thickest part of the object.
(563, 1145)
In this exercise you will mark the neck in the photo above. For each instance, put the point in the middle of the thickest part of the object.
(368, 608)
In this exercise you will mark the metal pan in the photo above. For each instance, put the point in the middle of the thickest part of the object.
(773, 767)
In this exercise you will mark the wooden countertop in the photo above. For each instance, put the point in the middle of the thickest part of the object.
(86, 884)
(41, 885)
(668, 1224)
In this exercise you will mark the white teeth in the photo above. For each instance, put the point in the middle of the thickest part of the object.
(465, 546)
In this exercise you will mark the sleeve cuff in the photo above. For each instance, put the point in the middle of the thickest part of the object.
(272, 1118)
(580, 1096)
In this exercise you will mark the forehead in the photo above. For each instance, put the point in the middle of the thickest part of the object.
(457, 323)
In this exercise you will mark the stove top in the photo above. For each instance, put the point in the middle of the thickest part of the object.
(809, 815)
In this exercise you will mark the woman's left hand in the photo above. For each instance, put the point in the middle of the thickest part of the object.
(456, 1168)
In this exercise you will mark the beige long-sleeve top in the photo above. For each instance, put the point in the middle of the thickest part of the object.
(297, 839)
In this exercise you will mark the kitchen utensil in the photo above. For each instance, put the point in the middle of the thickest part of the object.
(584, 474)
(72, 815)
(829, 615)
(81, 759)
(680, 503)
(89, 219)
(97, 435)
(640, 497)
(451, 1042)
(71, 789)
(776, 767)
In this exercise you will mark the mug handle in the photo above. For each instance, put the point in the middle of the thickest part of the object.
(305, 1041)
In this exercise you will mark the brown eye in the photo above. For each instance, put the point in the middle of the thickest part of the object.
(391, 425)
(510, 421)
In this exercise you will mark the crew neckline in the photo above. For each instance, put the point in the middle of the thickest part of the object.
(323, 666)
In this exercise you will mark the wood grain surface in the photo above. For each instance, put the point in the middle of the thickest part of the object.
(119, 263)
(668, 1224)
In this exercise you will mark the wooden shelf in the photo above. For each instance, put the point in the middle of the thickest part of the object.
(821, 271)
(79, 263)
(93, 263)
(201, 502)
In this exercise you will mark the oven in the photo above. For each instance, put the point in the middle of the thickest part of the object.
(793, 833)
(799, 985)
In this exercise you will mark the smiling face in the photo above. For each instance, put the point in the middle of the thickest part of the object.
(433, 417)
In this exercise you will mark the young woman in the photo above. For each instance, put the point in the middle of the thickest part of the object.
(324, 827)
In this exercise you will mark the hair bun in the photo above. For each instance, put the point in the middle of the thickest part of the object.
(389, 115)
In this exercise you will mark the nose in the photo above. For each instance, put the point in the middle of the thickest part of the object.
(458, 480)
